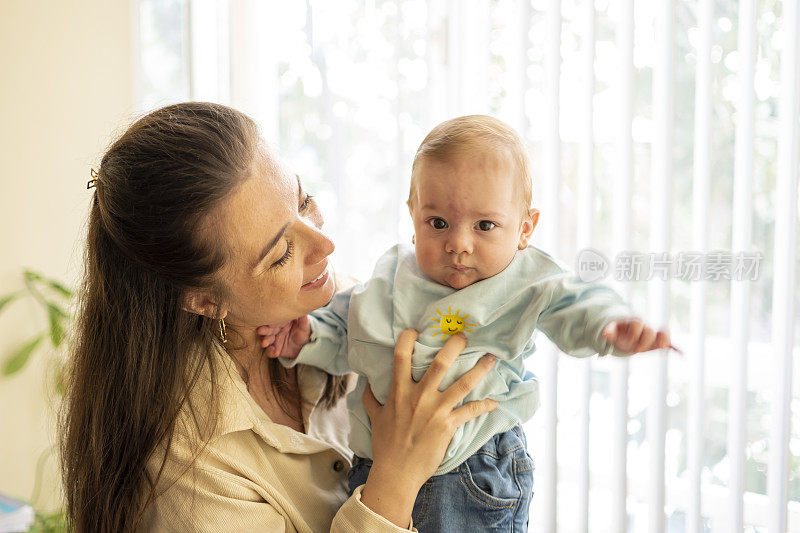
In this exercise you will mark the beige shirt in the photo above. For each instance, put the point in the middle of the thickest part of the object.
(255, 475)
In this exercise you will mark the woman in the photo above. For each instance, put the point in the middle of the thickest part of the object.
(174, 419)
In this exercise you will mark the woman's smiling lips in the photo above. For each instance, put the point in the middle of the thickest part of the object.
(317, 282)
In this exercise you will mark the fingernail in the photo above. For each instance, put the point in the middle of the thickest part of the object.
(490, 357)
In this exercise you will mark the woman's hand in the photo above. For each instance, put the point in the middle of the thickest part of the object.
(411, 432)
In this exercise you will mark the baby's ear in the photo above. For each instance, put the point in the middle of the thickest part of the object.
(529, 222)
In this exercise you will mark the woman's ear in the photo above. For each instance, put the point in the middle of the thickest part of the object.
(199, 302)
(528, 225)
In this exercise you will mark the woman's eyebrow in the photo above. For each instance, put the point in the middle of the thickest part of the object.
(270, 245)
(274, 241)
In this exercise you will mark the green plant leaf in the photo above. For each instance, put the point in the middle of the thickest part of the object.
(57, 309)
(16, 361)
(30, 275)
(49, 522)
(61, 289)
(56, 315)
(8, 298)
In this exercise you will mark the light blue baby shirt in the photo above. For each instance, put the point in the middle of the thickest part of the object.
(357, 331)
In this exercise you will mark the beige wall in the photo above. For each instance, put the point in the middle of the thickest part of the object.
(66, 85)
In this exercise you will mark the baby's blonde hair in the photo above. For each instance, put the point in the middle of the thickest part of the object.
(478, 134)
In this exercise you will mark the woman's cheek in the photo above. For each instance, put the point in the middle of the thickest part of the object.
(286, 283)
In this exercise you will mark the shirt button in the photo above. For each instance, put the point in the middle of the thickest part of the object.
(338, 466)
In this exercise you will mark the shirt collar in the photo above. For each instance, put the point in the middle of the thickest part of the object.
(237, 411)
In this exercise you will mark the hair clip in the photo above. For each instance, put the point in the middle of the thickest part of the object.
(93, 182)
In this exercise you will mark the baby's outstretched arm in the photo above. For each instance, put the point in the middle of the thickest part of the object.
(285, 340)
(634, 336)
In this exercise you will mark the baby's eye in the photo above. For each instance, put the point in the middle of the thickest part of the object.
(438, 223)
(485, 225)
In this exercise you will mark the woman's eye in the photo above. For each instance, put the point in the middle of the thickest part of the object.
(306, 202)
(438, 223)
(485, 225)
(285, 257)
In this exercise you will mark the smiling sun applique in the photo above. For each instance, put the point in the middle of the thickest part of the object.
(450, 324)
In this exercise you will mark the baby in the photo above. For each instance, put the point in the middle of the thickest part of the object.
(471, 271)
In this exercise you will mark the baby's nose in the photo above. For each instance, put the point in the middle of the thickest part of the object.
(459, 241)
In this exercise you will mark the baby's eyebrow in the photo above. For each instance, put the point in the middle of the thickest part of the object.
(491, 214)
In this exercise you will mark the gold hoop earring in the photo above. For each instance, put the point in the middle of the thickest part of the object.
(222, 331)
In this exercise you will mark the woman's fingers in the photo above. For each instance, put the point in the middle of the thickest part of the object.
(371, 405)
(443, 361)
(403, 349)
(466, 383)
(471, 410)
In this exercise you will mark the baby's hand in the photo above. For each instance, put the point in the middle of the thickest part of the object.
(632, 335)
(285, 340)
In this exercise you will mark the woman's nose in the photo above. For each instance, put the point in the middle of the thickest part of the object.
(459, 241)
(318, 244)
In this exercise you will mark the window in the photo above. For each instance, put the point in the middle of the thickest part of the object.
(347, 90)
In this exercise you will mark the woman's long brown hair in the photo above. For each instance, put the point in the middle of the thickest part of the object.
(137, 354)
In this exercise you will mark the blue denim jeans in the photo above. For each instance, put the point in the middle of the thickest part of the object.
(490, 491)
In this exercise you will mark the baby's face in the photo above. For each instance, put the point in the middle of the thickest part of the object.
(467, 218)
